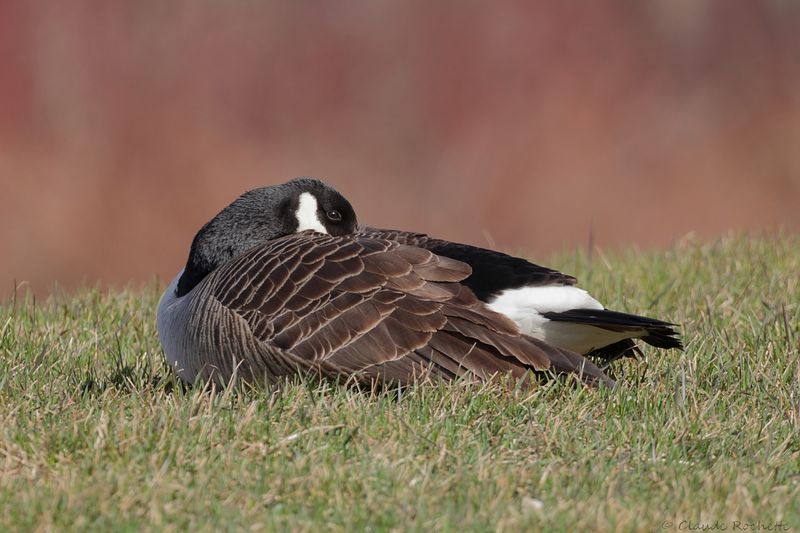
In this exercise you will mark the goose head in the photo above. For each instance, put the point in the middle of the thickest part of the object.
(261, 215)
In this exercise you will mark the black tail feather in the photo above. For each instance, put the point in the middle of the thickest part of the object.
(658, 333)
(663, 340)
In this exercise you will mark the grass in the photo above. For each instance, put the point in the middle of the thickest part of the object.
(96, 434)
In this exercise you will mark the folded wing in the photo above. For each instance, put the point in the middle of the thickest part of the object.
(492, 271)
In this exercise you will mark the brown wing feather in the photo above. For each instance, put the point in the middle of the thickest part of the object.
(365, 307)
(492, 271)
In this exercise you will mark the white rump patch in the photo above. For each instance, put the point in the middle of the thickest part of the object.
(550, 298)
(306, 214)
(526, 305)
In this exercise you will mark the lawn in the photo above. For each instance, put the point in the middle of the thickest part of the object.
(95, 433)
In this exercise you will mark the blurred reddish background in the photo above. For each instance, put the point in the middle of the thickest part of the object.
(124, 126)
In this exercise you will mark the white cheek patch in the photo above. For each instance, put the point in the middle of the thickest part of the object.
(307, 214)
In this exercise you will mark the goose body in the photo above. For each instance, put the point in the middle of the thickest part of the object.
(283, 281)
(346, 307)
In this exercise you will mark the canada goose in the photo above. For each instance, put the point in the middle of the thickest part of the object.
(280, 281)
(543, 302)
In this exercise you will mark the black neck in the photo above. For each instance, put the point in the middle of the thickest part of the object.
(232, 232)
(203, 259)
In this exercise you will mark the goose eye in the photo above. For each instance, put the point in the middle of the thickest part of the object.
(334, 216)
